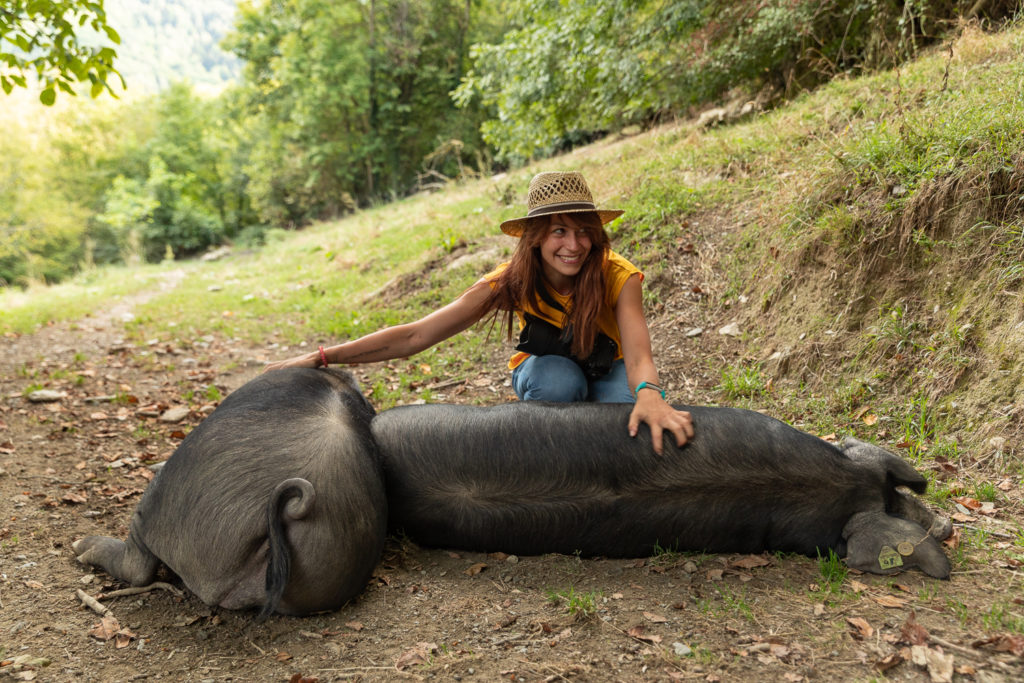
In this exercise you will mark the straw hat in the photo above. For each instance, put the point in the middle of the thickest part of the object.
(557, 192)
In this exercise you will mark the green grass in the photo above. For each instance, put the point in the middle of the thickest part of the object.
(745, 381)
(24, 311)
(579, 605)
(832, 574)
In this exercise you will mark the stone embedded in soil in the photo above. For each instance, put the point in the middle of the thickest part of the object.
(46, 396)
(730, 330)
(176, 414)
(681, 650)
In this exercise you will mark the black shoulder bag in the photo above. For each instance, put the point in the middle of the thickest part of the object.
(542, 338)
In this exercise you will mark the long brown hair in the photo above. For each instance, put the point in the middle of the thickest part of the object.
(516, 286)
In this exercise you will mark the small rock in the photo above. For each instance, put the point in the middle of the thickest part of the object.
(175, 414)
(681, 649)
(694, 332)
(730, 330)
(689, 567)
(46, 396)
(512, 559)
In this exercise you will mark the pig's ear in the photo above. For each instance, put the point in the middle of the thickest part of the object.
(897, 471)
(882, 544)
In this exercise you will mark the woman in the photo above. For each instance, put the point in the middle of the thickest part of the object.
(578, 304)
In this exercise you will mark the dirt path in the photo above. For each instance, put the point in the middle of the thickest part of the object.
(77, 466)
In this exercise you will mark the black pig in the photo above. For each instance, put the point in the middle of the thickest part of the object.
(275, 501)
(532, 478)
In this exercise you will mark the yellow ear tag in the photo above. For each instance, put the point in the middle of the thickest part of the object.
(889, 558)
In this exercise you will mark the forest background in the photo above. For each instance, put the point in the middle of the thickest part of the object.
(347, 104)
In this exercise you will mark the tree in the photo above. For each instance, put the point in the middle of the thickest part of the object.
(42, 36)
(346, 99)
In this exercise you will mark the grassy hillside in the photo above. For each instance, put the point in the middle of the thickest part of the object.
(868, 238)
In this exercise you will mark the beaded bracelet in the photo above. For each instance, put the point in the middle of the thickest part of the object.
(323, 357)
(649, 385)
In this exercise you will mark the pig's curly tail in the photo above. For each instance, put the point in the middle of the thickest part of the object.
(292, 499)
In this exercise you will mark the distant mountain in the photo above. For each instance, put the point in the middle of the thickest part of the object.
(164, 41)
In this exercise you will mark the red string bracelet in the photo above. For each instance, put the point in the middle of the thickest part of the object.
(323, 357)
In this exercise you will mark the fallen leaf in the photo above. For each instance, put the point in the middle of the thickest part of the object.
(106, 629)
(34, 584)
(299, 678)
(123, 638)
(475, 569)
(638, 633)
(889, 601)
(857, 586)
(715, 574)
(415, 656)
(655, 618)
(912, 632)
(969, 503)
(354, 625)
(863, 628)
(1004, 643)
(888, 662)
(750, 561)
(870, 420)
(71, 497)
(282, 656)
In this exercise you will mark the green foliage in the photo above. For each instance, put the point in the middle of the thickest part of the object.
(40, 234)
(42, 38)
(568, 70)
(347, 99)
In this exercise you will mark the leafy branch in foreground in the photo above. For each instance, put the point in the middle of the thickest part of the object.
(43, 37)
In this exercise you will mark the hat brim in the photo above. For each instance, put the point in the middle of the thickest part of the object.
(515, 226)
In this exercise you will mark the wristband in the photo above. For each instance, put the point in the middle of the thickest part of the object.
(649, 385)
(323, 357)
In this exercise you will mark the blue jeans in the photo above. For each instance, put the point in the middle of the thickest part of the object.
(559, 379)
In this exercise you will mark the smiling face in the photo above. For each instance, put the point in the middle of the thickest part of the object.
(563, 250)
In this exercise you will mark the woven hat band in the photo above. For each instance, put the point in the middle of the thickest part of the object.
(560, 208)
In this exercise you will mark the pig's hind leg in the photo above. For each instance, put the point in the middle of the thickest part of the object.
(126, 560)
(908, 506)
